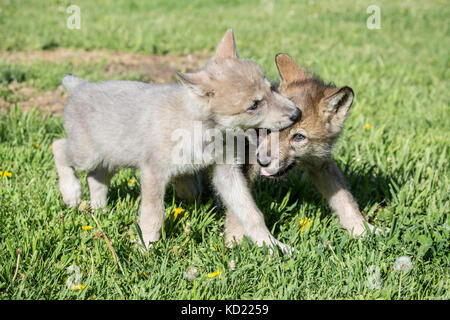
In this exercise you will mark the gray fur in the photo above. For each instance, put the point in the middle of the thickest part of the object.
(116, 124)
(70, 82)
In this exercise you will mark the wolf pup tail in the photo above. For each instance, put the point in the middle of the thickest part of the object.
(71, 82)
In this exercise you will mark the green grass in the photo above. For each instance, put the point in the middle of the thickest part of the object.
(398, 170)
(47, 76)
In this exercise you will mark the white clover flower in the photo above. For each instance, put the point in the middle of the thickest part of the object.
(232, 265)
(403, 264)
(191, 274)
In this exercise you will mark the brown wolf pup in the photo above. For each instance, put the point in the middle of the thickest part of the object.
(308, 144)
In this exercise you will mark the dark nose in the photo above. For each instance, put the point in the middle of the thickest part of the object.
(295, 115)
(263, 161)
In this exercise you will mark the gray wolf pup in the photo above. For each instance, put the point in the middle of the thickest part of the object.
(116, 124)
(308, 145)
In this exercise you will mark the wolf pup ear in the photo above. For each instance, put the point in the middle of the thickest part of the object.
(289, 70)
(227, 47)
(338, 104)
(197, 82)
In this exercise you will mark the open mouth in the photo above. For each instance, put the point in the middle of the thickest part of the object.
(278, 173)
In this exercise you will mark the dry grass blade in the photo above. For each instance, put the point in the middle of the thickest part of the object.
(85, 207)
(19, 251)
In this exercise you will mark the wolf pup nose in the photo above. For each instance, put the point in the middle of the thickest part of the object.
(263, 160)
(295, 115)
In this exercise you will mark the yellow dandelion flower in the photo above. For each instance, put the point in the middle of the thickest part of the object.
(131, 181)
(144, 274)
(304, 224)
(78, 287)
(36, 145)
(5, 174)
(214, 274)
(176, 212)
(367, 127)
(86, 228)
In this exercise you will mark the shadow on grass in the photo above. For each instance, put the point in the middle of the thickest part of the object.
(368, 186)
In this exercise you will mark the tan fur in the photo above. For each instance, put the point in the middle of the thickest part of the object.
(324, 110)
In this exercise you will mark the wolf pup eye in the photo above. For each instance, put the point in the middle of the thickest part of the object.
(254, 106)
(298, 137)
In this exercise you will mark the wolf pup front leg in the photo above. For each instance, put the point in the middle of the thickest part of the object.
(153, 186)
(330, 181)
(233, 188)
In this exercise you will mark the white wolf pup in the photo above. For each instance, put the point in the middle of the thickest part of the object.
(116, 124)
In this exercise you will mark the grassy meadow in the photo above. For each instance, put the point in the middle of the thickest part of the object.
(393, 150)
